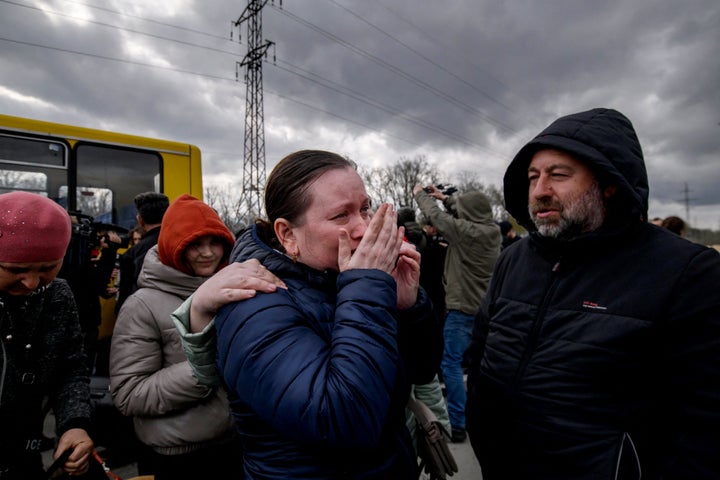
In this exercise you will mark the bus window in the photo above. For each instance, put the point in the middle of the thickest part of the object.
(28, 151)
(34, 165)
(11, 180)
(95, 202)
(108, 178)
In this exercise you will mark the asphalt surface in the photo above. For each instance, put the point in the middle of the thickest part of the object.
(468, 467)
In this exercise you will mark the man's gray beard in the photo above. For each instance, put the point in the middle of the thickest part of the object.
(583, 214)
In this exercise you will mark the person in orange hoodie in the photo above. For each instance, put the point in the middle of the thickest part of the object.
(186, 425)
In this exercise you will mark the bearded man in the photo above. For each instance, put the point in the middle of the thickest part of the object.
(596, 350)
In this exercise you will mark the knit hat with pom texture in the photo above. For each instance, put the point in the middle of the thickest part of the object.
(186, 220)
(33, 228)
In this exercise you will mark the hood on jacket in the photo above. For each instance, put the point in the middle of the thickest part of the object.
(606, 141)
(186, 220)
(474, 207)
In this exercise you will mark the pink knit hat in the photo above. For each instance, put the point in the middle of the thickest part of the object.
(33, 228)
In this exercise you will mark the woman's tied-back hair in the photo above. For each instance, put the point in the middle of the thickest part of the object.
(286, 190)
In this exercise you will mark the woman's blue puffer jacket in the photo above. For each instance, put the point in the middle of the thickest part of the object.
(318, 375)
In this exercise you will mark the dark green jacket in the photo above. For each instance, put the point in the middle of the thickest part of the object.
(473, 240)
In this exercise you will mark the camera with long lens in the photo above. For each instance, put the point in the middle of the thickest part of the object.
(445, 189)
(86, 229)
(85, 239)
(83, 227)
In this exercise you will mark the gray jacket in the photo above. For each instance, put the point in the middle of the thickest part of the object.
(150, 377)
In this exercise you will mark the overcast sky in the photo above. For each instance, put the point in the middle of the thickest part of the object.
(463, 82)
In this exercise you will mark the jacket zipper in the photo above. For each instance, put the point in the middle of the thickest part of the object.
(537, 324)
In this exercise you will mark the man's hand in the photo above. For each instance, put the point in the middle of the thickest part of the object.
(82, 446)
(237, 281)
(431, 190)
(110, 239)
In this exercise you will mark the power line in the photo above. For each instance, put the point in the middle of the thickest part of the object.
(422, 55)
(110, 25)
(324, 83)
(279, 95)
(317, 79)
(144, 19)
(114, 59)
(344, 90)
(452, 52)
(398, 71)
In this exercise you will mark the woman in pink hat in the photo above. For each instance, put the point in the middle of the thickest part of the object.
(42, 354)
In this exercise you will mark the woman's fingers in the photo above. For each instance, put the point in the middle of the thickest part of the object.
(380, 244)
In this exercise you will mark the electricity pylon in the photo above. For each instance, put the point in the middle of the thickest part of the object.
(254, 147)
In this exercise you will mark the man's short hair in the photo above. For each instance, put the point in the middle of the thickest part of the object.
(405, 214)
(151, 206)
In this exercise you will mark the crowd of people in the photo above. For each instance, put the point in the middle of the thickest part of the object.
(591, 343)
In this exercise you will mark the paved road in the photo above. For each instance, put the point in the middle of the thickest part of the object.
(468, 467)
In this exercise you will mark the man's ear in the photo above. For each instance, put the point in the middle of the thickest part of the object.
(286, 235)
(609, 191)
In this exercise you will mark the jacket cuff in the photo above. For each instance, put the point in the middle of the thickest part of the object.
(200, 348)
(79, 422)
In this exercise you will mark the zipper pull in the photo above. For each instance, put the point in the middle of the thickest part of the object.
(556, 267)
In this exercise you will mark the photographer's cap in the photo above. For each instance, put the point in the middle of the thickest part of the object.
(33, 228)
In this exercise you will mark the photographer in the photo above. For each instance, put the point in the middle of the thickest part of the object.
(473, 240)
(88, 267)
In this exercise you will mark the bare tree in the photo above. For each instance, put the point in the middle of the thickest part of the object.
(391, 183)
(468, 181)
(225, 203)
(394, 183)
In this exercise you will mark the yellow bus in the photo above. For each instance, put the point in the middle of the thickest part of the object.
(93, 172)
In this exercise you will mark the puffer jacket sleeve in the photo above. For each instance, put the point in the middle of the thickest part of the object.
(420, 340)
(141, 383)
(693, 371)
(328, 387)
(200, 348)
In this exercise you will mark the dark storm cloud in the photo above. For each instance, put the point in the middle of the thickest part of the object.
(465, 83)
